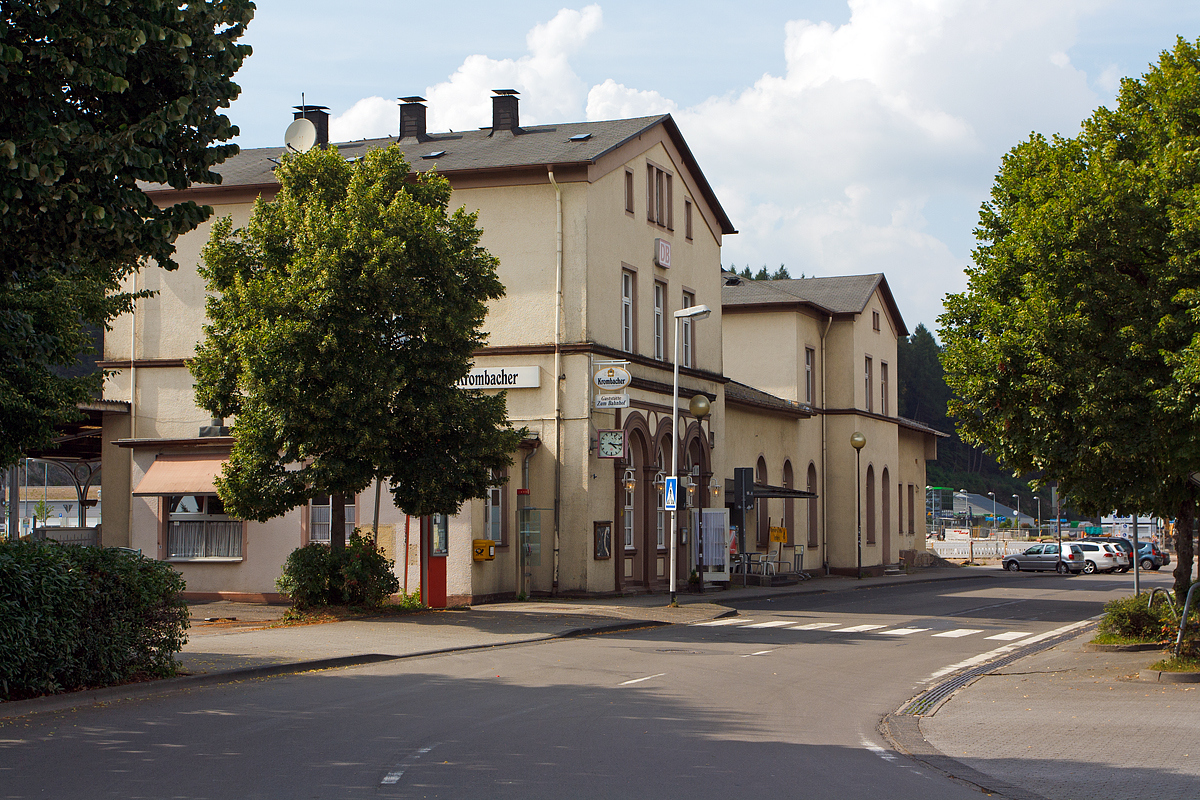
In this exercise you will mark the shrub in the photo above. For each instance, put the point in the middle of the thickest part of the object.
(1129, 617)
(359, 575)
(74, 617)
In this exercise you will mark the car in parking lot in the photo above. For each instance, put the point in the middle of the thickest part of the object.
(1120, 542)
(1044, 556)
(1152, 557)
(1102, 557)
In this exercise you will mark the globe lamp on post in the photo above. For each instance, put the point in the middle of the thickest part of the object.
(858, 442)
(690, 313)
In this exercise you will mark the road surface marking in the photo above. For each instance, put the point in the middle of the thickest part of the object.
(729, 621)
(903, 631)
(1008, 648)
(639, 680)
(396, 774)
(814, 626)
(775, 623)
(1008, 636)
(759, 653)
(957, 634)
(858, 628)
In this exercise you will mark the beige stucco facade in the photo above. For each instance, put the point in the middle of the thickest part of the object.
(595, 227)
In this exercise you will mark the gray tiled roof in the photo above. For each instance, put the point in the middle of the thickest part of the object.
(848, 294)
(735, 392)
(463, 151)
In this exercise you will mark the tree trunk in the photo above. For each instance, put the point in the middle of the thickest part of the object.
(1184, 552)
(337, 522)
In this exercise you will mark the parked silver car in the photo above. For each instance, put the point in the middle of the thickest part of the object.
(1043, 557)
(1102, 557)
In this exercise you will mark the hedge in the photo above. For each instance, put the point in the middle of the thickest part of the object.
(73, 617)
(357, 575)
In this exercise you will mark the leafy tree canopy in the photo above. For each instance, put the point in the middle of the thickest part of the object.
(341, 319)
(94, 97)
(1075, 350)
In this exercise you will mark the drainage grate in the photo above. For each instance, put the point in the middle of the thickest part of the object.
(928, 700)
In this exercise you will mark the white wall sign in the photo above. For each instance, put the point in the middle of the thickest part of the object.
(612, 400)
(662, 253)
(502, 378)
(612, 379)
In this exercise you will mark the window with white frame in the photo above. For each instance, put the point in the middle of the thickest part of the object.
(660, 300)
(809, 357)
(319, 516)
(685, 332)
(868, 377)
(883, 388)
(199, 528)
(627, 318)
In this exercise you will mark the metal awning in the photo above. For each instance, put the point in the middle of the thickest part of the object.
(177, 474)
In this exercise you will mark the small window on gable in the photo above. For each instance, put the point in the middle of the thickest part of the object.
(687, 218)
(629, 191)
(875, 320)
(659, 197)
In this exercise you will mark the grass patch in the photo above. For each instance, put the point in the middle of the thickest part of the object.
(1181, 664)
(1116, 638)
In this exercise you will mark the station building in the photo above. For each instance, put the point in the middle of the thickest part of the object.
(603, 230)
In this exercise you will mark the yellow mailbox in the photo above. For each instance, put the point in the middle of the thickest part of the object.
(483, 550)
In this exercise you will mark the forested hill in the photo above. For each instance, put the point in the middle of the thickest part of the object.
(923, 397)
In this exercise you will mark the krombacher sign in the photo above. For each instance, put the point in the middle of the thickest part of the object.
(502, 378)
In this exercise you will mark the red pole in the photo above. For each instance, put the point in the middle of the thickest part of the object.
(406, 520)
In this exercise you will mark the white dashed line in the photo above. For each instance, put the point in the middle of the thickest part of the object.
(759, 653)
(639, 680)
(903, 631)
(957, 634)
(859, 629)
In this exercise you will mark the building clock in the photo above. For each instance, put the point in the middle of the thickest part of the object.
(611, 444)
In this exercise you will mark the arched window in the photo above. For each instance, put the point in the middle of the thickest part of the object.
(789, 505)
(813, 540)
(870, 493)
(761, 507)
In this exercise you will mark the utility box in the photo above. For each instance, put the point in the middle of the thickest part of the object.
(483, 550)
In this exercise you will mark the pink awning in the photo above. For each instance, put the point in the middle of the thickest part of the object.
(181, 474)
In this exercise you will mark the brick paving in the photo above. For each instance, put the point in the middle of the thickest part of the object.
(1066, 724)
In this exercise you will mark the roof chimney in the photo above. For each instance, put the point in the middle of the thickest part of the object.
(412, 119)
(504, 111)
(319, 117)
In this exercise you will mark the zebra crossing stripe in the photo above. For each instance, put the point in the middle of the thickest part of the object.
(955, 634)
(726, 621)
(1008, 636)
(772, 624)
(814, 626)
(903, 631)
(858, 629)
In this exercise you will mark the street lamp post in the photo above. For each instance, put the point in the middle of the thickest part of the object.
(696, 313)
(1017, 524)
(858, 441)
(995, 521)
(1038, 498)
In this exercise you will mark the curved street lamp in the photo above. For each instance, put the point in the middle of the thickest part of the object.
(858, 442)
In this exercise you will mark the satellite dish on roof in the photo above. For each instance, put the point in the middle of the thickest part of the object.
(300, 136)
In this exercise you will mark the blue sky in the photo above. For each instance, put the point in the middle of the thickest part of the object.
(841, 137)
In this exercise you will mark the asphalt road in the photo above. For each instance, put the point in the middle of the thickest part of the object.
(699, 711)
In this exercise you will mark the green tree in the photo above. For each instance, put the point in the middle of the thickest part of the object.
(341, 319)
(1074, 350)
(94, 97)
(781, 274)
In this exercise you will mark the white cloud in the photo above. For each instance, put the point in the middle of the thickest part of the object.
(369, 118)
(612, 100)
(551, 91)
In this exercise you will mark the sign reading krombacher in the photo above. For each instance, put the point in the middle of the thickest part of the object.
(502, 378)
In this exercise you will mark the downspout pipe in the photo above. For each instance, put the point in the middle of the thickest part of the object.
(824, 455)
(558, 376)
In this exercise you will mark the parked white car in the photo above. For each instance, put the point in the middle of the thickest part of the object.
(1102, 557)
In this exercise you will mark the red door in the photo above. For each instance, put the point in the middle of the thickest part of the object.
(435, 542)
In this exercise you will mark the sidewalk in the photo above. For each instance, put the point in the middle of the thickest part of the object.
(1064, 724)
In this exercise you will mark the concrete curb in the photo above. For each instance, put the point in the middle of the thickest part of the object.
(134, 691)
(1091, 647)
(1155, 676)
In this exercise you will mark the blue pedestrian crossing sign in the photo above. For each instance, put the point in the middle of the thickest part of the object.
(672, 491)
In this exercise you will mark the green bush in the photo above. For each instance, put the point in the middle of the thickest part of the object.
(1129, 617)
(74, 617)
(358, 575)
